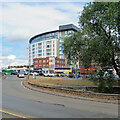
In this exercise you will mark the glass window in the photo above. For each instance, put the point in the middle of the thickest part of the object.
(39, 55)
(43, 66)
(39, 51)
(48, 46)
(47, 53)
(40, 66)
(36, 61)
(40, 61)
(48, 42)
(47, 61)
(39, 47)
(36, 66)
(33, 49)
(43, 61)
(33, 52)
(48, 50)
(39, 44)
(33, 45)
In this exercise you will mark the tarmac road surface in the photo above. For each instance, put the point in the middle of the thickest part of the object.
(32, 104)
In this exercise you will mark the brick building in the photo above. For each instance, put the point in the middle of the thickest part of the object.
(48, 63)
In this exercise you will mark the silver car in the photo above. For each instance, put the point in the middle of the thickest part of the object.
(21, 74)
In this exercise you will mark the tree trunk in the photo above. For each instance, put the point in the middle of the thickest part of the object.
(115, 66)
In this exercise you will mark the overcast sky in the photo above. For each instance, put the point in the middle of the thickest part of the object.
(22, 20)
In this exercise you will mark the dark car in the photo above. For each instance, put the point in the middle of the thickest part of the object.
(71, 75)
(63, 74)
(13, 73)
(41, 74)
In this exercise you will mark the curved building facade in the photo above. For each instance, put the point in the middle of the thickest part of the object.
(49, 44)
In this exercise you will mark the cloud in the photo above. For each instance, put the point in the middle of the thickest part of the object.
(22, 21)
(12, 60)
(47, 1)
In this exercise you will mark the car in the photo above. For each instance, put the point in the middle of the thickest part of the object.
(20, 74)
(71, 75)
(41, 74)
(34, 73)
(13, 73)
(63, 75)
(25, 72)
(52, 75)
(46, 75)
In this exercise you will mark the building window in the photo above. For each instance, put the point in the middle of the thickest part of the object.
(47, 53)
(33, 49)
(36, 66)
(48, 50)
(36, 61)
(39, 44)
(39, 51)
(51, 60)
(53, 45)
(43, 66)
(40, 66)
(47, 61)
(39, 55)
(40, 61)
(43, 61)
(48, 46)
(33, 45)
(47, 65)
(39, 47)
(48, 42)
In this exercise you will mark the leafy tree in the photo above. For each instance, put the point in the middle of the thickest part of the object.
(99, 37)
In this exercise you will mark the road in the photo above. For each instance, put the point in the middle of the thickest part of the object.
(32, 104)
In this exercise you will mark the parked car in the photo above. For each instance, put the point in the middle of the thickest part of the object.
(41, 74)
(46, 75)
(32, 73)
(20, 74)
(50, 75)
(26, 73)
(71, 75)
(13, 73)
(7, 73)
(63, 74)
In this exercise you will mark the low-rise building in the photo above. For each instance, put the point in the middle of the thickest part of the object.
(48, 63)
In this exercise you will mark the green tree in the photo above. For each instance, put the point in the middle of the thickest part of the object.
(99, 37)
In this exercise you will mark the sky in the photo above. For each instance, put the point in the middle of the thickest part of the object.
(22, 20)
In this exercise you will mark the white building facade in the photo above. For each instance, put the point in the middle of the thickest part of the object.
(49, 44)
